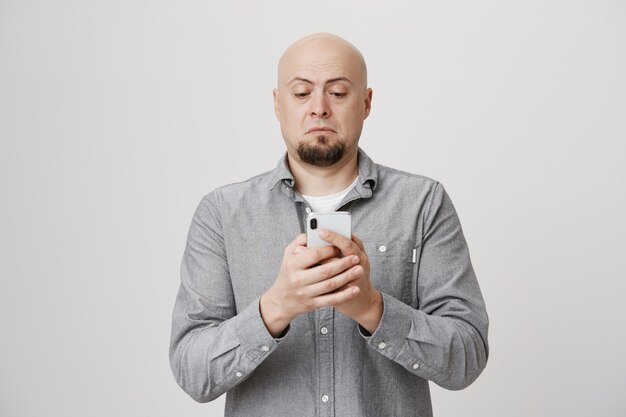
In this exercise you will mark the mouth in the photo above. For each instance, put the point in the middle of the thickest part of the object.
(320, 129)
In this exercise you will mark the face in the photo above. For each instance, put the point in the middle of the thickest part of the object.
(321, 101)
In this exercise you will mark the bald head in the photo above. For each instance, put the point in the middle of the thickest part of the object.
(321, 100)
(322, 52)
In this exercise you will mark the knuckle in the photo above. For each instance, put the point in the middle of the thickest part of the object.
(326, 271)
(349, 274)
(295, 281)
(347, 294)
(289, 263)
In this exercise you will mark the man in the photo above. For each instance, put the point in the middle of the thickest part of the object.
(353, 329)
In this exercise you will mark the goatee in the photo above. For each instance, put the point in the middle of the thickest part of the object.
(321, 153)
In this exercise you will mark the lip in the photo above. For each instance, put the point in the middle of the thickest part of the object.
(320, 129)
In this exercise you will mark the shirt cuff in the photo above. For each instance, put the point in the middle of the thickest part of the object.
(253, 333)
(363, 331)
(394, 326)
(389, 339)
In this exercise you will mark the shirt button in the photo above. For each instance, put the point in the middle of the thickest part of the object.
(382, 248)
(238, 374)
(416, 365)
(308, 209)
(324, 330)
(382, 345)
(265, 348)
(325, 398)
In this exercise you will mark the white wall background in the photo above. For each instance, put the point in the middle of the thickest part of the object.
(116, 117)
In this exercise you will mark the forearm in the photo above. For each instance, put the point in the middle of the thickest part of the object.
(449, 351)
(210, 359)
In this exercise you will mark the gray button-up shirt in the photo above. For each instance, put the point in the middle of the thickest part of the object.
(434, 323)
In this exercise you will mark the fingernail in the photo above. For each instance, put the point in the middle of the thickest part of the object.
(323, 233)
(355, 260)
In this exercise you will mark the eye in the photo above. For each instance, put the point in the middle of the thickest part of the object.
(301, 95)
(337, 94)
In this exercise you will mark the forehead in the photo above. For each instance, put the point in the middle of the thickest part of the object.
(319, 62)
(319, 74)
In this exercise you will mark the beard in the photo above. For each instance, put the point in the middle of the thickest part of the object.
(321, 153)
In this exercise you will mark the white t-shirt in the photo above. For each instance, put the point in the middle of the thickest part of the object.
(329, 202)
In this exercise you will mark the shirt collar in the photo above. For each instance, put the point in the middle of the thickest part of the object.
(368, 171)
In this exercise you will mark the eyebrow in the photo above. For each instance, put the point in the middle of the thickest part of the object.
(332, 80)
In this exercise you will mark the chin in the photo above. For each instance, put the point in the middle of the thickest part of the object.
(321, 152)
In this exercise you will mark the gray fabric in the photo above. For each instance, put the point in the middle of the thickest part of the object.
(434, 325)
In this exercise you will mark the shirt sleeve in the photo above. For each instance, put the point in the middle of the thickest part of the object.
(445, 339)
(213, 347)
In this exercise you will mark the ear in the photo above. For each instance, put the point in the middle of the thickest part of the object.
(275, 94)
(368, 102)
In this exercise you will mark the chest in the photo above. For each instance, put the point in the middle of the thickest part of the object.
(256, 241)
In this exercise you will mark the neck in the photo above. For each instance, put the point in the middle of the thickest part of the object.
(319, 181)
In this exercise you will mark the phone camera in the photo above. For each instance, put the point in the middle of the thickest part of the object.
(313, 224)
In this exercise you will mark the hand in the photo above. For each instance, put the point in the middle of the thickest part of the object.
(304, 285)
(366, 308)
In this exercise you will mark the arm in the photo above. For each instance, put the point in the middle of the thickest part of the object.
(213, 347)
(445, 340)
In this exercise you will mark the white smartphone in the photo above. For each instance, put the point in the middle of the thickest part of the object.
(337, 221)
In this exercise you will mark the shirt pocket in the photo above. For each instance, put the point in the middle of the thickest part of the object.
(392, 268)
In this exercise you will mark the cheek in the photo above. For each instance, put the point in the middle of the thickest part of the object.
(292, 123)
(352, 118)
(292, 117)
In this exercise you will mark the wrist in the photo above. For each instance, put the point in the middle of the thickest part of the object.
(272, 314)
(371, 317)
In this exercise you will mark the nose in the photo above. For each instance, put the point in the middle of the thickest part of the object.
(319, 106)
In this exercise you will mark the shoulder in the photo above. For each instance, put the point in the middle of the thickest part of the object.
(393, 175)
(237, 190)
(405, 187)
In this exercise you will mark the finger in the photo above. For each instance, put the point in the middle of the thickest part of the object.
(336, 282)
(328, 270)
(312, 256)
(345, 245)
(336, 298)
(325, 261)
(358, 242)
(337, 254)
(299, 240)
